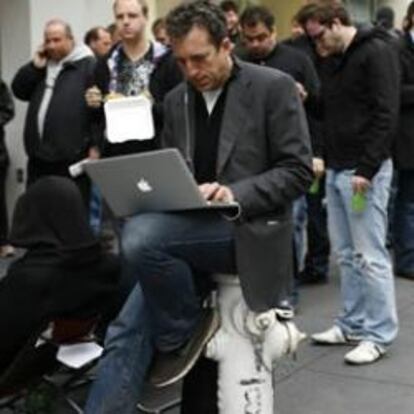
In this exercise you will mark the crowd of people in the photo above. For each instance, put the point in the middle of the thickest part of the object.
(311, 136)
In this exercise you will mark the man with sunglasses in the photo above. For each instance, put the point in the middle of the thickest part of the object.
(360, 106)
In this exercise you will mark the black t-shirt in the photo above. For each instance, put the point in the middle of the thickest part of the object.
(208, 127)
(207, 133)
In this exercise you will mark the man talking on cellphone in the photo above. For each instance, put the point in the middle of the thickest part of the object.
(54, 84)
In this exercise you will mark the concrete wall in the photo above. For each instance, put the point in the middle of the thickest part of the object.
(164, 6)
(284, 12)
(15, 48)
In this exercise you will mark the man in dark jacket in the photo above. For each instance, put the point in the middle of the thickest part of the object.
(54, 84)
(360, 101)
(261, 46)
(243, 131)
(404, 158)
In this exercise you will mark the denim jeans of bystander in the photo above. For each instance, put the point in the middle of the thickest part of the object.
(358, 240)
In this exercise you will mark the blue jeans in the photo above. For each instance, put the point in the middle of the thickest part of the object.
(403, 230)
(358, 241)
(95, 210)
(162, 253)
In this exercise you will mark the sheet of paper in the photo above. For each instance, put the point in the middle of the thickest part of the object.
(78, 355)
(129, 118)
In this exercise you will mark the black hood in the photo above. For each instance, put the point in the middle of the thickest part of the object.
(51, 215)
(368, 31)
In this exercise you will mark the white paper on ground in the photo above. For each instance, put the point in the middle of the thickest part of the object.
(78, 355)
(129, 118)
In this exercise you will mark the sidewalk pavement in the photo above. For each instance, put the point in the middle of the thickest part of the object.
(319, 382)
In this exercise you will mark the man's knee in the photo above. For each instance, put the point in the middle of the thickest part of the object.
(140, 233)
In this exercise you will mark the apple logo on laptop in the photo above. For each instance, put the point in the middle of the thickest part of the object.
(144, 186)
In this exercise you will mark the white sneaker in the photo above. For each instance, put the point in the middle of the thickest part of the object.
(365, 353)
(334, 336)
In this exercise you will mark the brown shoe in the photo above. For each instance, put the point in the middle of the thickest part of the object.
(169, 367)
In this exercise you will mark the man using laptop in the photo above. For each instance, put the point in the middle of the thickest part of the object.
(242, 130)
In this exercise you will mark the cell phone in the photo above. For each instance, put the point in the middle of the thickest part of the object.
(43, 53)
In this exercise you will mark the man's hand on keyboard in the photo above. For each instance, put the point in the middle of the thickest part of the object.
(216, 192)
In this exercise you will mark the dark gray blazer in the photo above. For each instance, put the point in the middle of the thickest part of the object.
(264, 156)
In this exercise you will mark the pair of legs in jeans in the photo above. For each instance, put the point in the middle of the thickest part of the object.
(358, 240)
(161, 252)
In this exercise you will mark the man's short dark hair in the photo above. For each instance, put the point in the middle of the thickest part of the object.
(202, 14)
(157, 25)
(305, 13)
(92, 35)
(254, 15)
(229, 6)
(324, 13)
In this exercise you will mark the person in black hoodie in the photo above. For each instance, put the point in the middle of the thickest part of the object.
(360, 100)
(404, 158)
(63, 273)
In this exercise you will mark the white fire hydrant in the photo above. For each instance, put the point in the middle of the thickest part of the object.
(246, 346)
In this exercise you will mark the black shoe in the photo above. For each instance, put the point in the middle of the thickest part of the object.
(311, 278)
(168, 368)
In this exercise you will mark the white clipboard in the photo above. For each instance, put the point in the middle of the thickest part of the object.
(129, 118)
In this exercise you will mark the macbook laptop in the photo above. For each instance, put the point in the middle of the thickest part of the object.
(152, 181)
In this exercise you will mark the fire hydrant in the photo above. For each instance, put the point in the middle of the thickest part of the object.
(246, 346)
